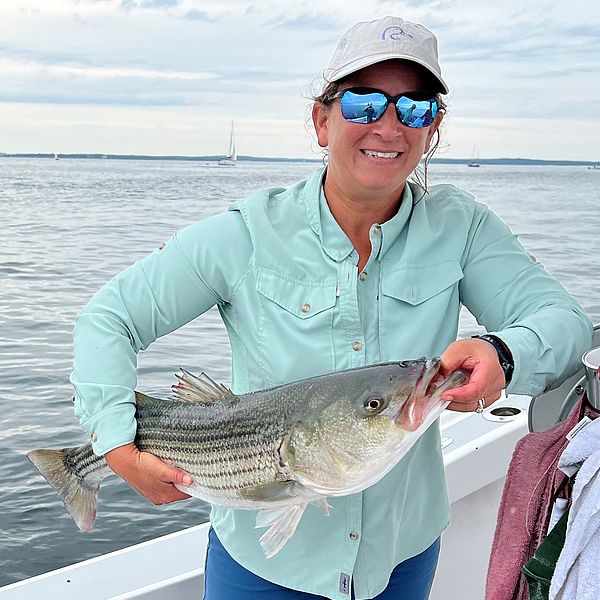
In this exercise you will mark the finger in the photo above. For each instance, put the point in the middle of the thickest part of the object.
(461, 407)
(479, 385)
(173, 475)
(471, 392)
(473, 405)
(467, 406)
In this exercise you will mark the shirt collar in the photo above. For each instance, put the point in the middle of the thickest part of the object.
(335, 242)
(390, 230)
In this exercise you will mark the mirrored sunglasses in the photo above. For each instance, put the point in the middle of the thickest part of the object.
(365, 105)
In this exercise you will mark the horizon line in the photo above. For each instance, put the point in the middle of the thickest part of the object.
(248, 157)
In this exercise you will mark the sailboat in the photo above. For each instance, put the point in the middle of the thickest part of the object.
(231, 159)
(474, 162)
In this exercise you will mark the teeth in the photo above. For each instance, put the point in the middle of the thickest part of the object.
(381, 154)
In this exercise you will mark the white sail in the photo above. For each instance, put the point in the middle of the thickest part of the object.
(231, 159)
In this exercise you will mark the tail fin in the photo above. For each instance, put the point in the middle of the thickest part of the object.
(78, 492)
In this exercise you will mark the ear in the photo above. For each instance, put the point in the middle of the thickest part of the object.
(432, 129)
(320, 117)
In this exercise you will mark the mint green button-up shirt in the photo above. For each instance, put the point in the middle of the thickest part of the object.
(284, 277)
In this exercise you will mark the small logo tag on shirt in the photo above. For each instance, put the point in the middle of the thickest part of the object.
(585, 421)
(344, 583)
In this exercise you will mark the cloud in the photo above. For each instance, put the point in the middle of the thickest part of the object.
(129, 4)
(232, 58)
(197, 15)
(303, 22)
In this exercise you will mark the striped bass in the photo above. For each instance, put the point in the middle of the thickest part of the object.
(276, 450)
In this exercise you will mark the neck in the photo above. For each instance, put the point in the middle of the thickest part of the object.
(355, 213)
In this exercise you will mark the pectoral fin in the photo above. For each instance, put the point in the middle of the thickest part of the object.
(279, 490)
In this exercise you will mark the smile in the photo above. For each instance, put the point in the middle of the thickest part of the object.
(375, 154)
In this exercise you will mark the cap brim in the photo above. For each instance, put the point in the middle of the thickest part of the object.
(367, 61)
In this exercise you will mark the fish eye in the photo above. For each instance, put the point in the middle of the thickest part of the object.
(373, 404)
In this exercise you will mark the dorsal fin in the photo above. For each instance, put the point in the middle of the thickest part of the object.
(201, 389)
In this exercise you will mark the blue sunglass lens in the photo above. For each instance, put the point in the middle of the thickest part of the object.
(363, 108)
(416, 113)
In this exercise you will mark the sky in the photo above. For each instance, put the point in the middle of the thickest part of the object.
(166, 77)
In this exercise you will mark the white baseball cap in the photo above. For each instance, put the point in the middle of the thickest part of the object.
(370, 42)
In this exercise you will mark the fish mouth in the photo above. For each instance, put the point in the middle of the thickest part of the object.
(426, 394)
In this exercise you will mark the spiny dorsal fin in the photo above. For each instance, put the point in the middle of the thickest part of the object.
(201, 389)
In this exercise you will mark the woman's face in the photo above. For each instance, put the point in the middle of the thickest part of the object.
(351, 168)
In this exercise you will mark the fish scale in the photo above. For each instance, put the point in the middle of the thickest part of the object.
(275, 450)
(219, 459)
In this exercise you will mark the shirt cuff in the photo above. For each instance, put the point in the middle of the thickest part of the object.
(111, 428)
(534, 361)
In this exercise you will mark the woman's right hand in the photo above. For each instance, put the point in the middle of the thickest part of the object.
(147, 474)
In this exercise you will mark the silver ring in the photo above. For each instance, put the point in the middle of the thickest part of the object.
(480, 405)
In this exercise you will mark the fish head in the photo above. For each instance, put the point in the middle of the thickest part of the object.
(380, 391)
(402, 392)
(356, 427)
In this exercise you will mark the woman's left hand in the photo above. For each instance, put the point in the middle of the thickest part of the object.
(479, 360)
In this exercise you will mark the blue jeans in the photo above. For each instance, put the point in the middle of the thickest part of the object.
(225, 579)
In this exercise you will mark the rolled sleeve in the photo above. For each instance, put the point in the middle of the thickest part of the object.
(513, 297)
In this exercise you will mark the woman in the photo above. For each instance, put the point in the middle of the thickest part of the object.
(354, 266)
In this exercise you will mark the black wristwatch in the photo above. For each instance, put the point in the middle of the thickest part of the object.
(504, 356)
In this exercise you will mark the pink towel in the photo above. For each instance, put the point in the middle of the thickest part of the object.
(531, 484)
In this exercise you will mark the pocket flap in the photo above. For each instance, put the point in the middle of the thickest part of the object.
(301, 298)
(418, 283)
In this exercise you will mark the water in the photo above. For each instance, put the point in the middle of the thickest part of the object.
(68, 226)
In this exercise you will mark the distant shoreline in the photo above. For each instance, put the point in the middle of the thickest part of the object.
(449, 161)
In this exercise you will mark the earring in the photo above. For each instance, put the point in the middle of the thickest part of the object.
(325, 157)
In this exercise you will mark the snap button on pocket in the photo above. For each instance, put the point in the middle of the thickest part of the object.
(292, 294)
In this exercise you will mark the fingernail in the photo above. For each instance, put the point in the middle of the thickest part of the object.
(448, 398)
(187, 480)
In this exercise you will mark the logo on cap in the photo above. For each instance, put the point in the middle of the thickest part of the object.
(394, 33)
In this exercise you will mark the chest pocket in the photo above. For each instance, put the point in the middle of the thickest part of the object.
(303, 299)
(296, 326)
(420, 306)
(418, 284)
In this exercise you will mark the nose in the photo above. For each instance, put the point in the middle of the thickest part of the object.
(388, 125)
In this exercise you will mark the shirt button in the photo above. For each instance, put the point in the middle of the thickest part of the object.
(353, 535)
(363, 275)
(357, 346)
(94, 437)
(305, 308)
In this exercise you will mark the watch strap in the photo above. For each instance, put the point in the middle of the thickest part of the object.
(504, 356)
